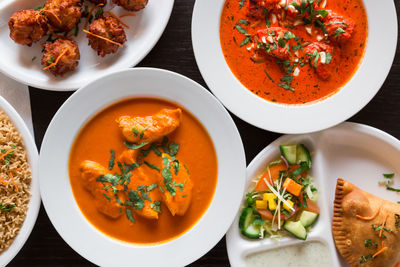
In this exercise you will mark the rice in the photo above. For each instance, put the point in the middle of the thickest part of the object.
(12, 192)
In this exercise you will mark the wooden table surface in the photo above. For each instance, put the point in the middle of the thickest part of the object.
(174, 52)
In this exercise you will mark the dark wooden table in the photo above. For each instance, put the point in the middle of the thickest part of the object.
(174, 52)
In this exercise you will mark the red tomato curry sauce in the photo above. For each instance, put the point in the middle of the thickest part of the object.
(293, 51)
(124, 218)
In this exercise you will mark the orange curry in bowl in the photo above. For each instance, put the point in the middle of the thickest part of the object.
(293, 51)
(143, 171)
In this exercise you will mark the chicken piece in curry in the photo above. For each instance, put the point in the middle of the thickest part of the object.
(150, 128)
(132, 183)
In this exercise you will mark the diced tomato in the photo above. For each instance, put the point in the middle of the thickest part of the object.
(274, 171)
(311, 205)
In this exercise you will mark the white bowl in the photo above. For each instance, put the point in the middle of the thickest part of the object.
(34, 202)
(355, 152)
(57, 195)
(375, 66)
(145, 30)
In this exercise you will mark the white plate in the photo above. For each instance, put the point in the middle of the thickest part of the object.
(34, 202)
(378, 58)
(357, 153)
(145, 30)
(57, 195)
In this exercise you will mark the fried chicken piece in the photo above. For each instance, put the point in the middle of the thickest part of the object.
(27, 26)
(131, 5)
(90, 172)
(107, 27)
(177, 188)
(320, 56)
(338, 27)
(63, 50)
(272, 39)
(63, 14)
(150, 128)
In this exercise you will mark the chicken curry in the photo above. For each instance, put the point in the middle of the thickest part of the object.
(293, 51)
(143, 171)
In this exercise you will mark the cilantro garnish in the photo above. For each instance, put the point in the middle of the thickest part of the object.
(369, 243)
(241, 3)
(364, 259)
(289, 35)
(156, 206)
(109, 178)
(286, 87)
(8, 157)
(269, 77)
(132, 146)
(243, 21)
(129, 215)
(152, 166)
(8, 208)
(339, 31)
(392, 189)
(151, 187)
(173, 149)
(112, 160)
(108, 198)
(388, 175)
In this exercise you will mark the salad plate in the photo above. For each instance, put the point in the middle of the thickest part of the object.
(357, 153)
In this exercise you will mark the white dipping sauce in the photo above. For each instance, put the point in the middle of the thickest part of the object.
(301, 255)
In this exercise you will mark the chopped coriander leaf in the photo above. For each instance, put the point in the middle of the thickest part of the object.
(339, 31)
(164, 143)
(99, 12)
(8, 208)
(288, 35)
(364, 259)
(240, 29)
(109, 178)
(397, 220)
(336, 22)
(138, 202)
(152, 166)
(118, 200)
(50, 60)
(132, 146)
(112, 160)
(151, 187)
(287, 79)
(179, 185)
(156, 206)
(281, 42)
(316, 60)
(388, 175)
(108, 198)
(392, 189)
(243, 21)
(173, 149)
(177, 166)
(135, 131)
(369, 243)
(129, 215)
(167, 176)
(187, 170)
(267, 22)
(321, 25)
(142, 132)
(245, 41)
(184, 195)
(328, 58)
(296, 47)
(286, 87)
(161, 189)
(241, 3)
(323, 13)
(153, 147)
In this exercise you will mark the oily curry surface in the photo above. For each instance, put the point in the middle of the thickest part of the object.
(293, 52)
(168, 175)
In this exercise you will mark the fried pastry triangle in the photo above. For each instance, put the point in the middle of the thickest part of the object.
(365, 227)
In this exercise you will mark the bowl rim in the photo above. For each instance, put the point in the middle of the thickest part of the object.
(121, 250)
(303, 118)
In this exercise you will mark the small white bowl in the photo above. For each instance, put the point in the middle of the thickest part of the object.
(291, 119)
(57, 195)
(17, 60)
(34, 202)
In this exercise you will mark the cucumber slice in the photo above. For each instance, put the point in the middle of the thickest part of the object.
(246, 225)
(246, 218)
(308, 218)
(253, 231)
(302, 154)
(296, 229)
(290, 153)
